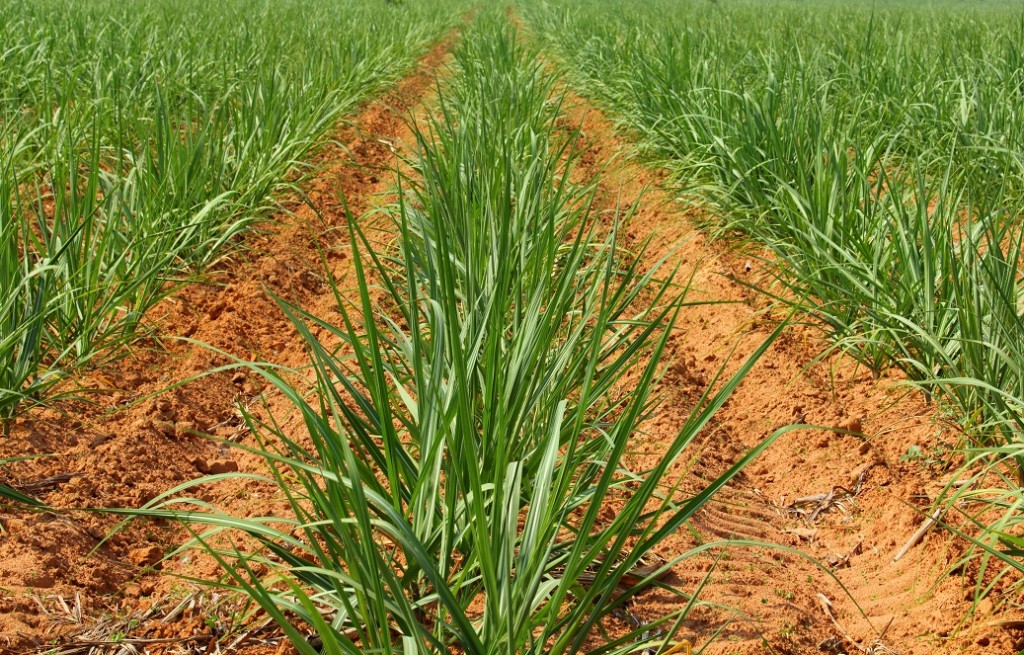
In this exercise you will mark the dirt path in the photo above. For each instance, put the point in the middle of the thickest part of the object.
(863, 503)
(123, 451)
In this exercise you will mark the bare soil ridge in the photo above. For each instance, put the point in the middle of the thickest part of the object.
(843, 497)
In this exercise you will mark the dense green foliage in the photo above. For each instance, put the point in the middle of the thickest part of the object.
(877, 150)
(138, 139)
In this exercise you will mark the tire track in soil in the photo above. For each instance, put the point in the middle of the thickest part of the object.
(124, 452)
(774, 594)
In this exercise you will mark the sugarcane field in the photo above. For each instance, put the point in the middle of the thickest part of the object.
(409, 327)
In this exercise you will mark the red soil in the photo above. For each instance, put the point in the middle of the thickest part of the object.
(135, 442)
(131, 444)
(776, 597)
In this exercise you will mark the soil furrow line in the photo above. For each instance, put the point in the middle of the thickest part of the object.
(871, 422)
(129, 447)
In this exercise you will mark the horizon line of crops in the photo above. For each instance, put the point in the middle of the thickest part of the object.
(139, 140)
(878, 153)
(446, 483)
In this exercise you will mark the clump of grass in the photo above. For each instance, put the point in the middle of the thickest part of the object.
(26, 290)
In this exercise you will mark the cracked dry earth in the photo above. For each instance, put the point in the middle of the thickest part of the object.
(840, 500)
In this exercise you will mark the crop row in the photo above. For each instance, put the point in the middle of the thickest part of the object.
(138, 140)
(458, 451)
(878, 154)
